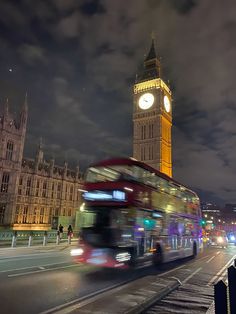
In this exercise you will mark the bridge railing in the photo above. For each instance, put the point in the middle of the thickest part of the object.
(225, 294)
(30, 238)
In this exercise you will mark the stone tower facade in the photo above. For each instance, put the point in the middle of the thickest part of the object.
(12, 139)
(152, 116)
(35, 194)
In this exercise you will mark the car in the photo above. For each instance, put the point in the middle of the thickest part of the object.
(218, 238)
(232, 237)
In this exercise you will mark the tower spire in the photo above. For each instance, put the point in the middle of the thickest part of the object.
(151, 67)
(6, 108)
(152, 52)
(24, 112)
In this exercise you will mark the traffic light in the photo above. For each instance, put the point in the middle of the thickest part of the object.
(203, 222)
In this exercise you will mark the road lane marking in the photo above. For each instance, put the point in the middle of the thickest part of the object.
(199, 259)
(217, 253)
(40, 271)
(170, 271)
(211, 259)
(220, 271)
(24, 257)
(30, 267)
(190, 276)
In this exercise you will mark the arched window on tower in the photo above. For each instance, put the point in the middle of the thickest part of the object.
(9, 151)
(5, 182)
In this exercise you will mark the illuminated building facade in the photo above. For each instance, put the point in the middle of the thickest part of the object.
(152, 116)
(34, 194)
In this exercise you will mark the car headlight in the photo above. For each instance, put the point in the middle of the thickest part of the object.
(232, 238)
(220, 239)
(76, 252)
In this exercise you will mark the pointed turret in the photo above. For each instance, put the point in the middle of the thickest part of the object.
(77, 173)
(24, 112)
(152, 52)
(52, 164)
(152, 67)
(65, 169)
(39, 154)
(6, 109)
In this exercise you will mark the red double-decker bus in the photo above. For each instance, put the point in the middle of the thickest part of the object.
(133, 213)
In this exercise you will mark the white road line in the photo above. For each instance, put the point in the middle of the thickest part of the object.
(217, 253)
(211, 259)
(170, 271)
(199, 259)
(24, 257)
(30, 267)
(39, 271)
(190, 276)
(220, 271)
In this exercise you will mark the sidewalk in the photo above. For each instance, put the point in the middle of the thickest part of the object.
(23, 250)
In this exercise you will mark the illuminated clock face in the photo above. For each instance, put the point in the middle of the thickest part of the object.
(146, 101)
(166, 104)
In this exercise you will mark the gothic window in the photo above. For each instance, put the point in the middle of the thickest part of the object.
(71, 193)
(51, 214)
(17, 214)
(9, 151)
(2, 213)
(58, 190)
(56, 212)
(25, 213)
(37, 189)
(44, 189)
(69, 212)
(35, 215)
(143, 135)
(5, 182)
(150, 130)
(52, 193)
(46, 216)
(41, 215)
(28, 185)
(20, 186)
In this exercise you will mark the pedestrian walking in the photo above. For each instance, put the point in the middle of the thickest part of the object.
(60, 229)
(69, 234)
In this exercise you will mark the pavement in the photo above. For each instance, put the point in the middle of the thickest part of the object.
(131, 298)
(24, 250)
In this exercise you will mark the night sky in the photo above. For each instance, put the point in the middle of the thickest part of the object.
(77, 60)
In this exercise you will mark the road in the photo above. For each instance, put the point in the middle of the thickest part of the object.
(42, 280)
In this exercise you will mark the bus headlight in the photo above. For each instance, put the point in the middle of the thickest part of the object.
(122, 257)
(76, 252)
(220, 239)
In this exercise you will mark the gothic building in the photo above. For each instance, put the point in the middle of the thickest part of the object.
(152, 116)
(34, 194)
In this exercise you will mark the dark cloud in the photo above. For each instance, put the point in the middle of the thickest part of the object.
(78, 61)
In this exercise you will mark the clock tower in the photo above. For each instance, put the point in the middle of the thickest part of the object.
(152, 116)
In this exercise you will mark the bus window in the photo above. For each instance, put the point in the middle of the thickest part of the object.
(163, 185)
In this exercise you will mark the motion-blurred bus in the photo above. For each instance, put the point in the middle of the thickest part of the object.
(132, 214)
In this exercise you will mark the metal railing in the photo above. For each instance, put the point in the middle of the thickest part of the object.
(225, 294)
(30, 238)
